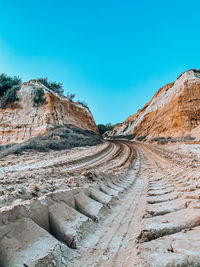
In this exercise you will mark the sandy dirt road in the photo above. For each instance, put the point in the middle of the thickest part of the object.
(159, 211)
(113, 243)
(146, 215)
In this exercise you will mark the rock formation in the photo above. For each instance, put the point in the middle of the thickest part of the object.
(22, 120)
(173, 112)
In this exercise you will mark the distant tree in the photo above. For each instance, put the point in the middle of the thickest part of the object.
(103, 128)
(109, 126)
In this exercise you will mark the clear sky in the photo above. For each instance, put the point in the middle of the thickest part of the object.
(113, 54)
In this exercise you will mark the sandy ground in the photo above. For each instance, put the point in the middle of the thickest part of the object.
(35, 174)
(161, 207)
(155, 221)
(187, 150)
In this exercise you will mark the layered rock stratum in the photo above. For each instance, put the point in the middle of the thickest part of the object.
(173, 112)
(22, 120)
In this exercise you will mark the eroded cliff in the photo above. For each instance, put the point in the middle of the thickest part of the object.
(22, 120)
(173, 112)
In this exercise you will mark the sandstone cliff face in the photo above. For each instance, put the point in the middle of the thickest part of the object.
(174, 111)
(22, 120)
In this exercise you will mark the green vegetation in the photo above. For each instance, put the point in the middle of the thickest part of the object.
(10, 96)
(8, 89)
(70, 96)
(68, 137)
(7, 82)
(54, 86)
(83, 103)
(38, 96)
(10, 85)
(103, 128)
(140, 138)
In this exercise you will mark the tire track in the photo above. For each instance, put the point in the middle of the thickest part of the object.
(114, 234)
(172, 221)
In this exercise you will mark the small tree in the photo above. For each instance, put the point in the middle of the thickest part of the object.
(7, 82)
(38, 97)
(103, 128)
(70, 96)
(57, 87)
(10, 96)
(83, 103)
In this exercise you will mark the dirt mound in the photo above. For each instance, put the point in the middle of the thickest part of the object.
(62, 137)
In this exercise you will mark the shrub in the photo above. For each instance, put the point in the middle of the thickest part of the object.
(140, 138)
(103, 128)
(83, 103)
(70, 96)
(38, 96)
(10, 96)
(7, 82)
(128, 137)
(54, 86)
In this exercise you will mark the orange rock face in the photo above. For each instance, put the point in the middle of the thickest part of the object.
(23, 121)
(174, 111)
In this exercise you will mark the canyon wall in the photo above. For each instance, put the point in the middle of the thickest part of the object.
(22, 120)
(173, 112)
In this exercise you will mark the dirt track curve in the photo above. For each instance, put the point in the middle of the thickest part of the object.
(148, 215)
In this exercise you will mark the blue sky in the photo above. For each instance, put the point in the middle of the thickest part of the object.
(113, 54)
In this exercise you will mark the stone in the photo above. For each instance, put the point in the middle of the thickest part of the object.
(33, 187)
(24, 243)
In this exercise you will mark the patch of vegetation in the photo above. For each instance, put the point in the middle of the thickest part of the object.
(54, 86)
(10, 96)
(104, 128)
(61, 137)
(140, 138)
(8, 89)
(83, 103)
(38, 97)
(7, 82)
(128, 137)
(164, 140)
(58, 88)
(70, 96)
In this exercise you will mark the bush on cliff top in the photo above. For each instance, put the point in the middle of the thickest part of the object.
(7, 82)
(10, 96)
(82, 103)
(54, 86)
(9, 86)
(8, 89)
(70, 96)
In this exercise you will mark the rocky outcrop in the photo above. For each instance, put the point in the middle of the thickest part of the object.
(173, 112)
(22, 120)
